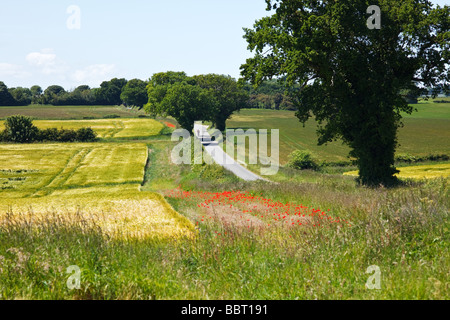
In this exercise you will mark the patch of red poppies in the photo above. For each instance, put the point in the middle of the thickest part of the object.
(170, 125)
(274, 213)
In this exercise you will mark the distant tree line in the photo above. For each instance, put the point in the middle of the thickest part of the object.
(113, 92)
(270, 94)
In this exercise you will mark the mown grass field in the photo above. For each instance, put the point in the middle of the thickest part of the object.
(426, 131)
(161, 231)
(49, 112)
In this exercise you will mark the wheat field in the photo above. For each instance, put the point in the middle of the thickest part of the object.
(97, 180)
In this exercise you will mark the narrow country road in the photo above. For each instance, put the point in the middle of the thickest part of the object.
(221, 157)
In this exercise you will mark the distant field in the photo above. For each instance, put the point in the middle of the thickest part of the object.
(419, 172)
(47, 112)
(107, 128)
(426, 131)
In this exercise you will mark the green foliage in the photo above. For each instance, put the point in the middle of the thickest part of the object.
(301, 160)
(173, 94)
(157, 90)
(67, 135)
(86, 135)
(36, 94)
(135, 93)
(49, 134)
(351, 75)
(22, 96)
(408, 158)
(187, 104)
(6, 99)
(205, 97)
(269, 94)
(110, 91)
(229, 96)
(3, 136)
(410, 95)
(20, 129)
(52, 94)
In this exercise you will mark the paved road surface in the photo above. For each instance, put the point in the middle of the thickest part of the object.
(222, 158)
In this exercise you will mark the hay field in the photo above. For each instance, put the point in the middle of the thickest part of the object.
(106, 128)
(419, 172)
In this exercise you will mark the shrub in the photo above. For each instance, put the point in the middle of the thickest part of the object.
(406, 158)
(67, 135)
(3, 136)
(51, 134)
(438, 157)
(111, 116)
(20, 129)
(86, 135)
(302, 159)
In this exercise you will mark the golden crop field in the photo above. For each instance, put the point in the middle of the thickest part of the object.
(106, 128)
(100, 180)
(419, 172)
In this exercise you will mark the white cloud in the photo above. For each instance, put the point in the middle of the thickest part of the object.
(45, 67)
(47, 62)
(93, 75)
(39, 59)
(13, 70)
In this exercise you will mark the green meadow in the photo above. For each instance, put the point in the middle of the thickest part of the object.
(426, 131)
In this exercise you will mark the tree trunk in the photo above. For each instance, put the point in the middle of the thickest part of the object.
(374, 147)
(220, 124)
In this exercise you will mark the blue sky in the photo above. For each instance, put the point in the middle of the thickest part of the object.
(129, 39)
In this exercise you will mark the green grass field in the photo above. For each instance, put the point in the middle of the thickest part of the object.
(425, 132)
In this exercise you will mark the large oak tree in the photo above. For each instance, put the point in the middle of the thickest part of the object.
(351, 76)
(229, 95)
